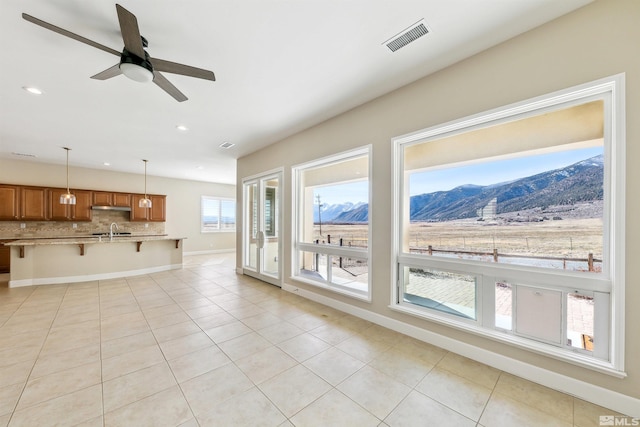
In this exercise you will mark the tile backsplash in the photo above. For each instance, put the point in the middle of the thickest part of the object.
(101, 220)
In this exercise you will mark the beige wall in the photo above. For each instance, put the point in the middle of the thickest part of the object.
(596, 41)
(183, 197)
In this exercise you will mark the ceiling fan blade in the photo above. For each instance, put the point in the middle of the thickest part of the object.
(69, 34)
(130, 31)
(168, 87)
(108, 73)
(185, 70)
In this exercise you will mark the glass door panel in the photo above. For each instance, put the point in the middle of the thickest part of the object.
(262, 248)
(251, 226)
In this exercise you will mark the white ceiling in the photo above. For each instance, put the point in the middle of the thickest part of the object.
(281, 66)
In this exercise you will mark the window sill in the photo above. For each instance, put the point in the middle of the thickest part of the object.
(336, 289)
(523, 343)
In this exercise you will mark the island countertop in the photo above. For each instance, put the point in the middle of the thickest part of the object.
(45, 261)
(83, 240)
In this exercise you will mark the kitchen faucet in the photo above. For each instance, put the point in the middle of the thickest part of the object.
(111, 230)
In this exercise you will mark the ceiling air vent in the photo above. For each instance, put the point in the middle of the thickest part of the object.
(407, 35)
(23, 154)
(227, 144)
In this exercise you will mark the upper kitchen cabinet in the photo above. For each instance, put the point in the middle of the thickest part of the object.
(81, 211)
(157, 212)
(33, 204)
(105, 198)
(9, 202)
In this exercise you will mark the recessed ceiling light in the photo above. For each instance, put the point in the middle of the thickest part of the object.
(33, 90)
(200, 167)
(227, 144)
(182, 128)
(107, 164)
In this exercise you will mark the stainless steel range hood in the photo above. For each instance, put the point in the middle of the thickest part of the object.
(111, 208)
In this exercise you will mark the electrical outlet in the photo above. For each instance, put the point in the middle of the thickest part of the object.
(74, 226)
(23, 225)
(146, 225)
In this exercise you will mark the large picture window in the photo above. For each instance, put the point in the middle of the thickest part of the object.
(511, 224)
(332, 223)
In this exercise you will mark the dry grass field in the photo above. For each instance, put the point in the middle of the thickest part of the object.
(570, 238)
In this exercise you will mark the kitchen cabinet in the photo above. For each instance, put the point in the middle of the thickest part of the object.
(157, 213)
(122, 199)
(30, 203)
(9, 202)
(102, 198)
(105, 198)
(81, 211)
(33, 204)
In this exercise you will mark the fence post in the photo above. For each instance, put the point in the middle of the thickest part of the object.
(495, 255)
(341, 257)
(590, 261)
(430, 250)
(317, 256)
(328, 238)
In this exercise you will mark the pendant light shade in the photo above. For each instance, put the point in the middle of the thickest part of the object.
(67, 198)
(146, 202)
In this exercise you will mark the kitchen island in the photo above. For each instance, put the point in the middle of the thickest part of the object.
(82, 259)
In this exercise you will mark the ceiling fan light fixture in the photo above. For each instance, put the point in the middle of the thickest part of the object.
(136, 72)
(136, 68)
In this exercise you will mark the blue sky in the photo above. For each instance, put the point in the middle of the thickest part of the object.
(479, 174)
(495, 172)
(353, 192)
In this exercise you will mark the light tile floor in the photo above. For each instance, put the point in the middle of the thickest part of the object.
(203, 346)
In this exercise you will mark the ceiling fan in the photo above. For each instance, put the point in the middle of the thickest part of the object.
(135, 62)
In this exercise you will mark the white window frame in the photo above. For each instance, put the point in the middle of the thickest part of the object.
(612, 89)
(220, 201)
(329, 250)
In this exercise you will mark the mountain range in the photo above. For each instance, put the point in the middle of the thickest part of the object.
(329, 212)
(576, 183)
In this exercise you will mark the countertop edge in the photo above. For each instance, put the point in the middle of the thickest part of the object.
(89, 240)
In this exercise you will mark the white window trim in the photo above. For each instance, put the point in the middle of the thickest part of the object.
(613, 85)
(220, 199)
(296, 230)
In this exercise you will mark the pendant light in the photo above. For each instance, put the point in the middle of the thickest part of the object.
(67, 198)
(146, 202)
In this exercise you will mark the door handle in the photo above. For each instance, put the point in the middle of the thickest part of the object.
(260, 239)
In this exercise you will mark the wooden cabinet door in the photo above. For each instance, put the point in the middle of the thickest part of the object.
(157, 211)
(9, 202)
(57, 211)
(138, 213)
(121, 199)
(81, 211)
(102, 198)
(33, 204)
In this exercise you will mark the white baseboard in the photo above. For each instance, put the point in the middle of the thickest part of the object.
(212, 251)
(91, 277)
(591, 393)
